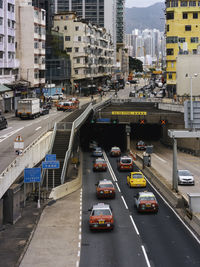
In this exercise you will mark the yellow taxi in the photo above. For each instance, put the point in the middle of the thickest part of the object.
(136, 179)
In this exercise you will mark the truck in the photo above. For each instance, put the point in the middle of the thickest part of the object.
(28, 108)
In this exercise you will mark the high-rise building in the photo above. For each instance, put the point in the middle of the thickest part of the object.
(8, 62)
(182, 34)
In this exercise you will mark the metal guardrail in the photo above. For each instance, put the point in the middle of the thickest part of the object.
(75, 124)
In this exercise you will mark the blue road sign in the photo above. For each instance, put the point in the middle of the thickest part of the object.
(103, 120)
(32, 175)
(51, 164)
(50, 157)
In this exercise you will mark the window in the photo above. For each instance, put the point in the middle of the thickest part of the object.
(198, 3)
(184, 3)
(181, 40)
(172, 65)
(35, 44)
(69, 49)
(43, 15)
(76, 71)
(9, 39)
(167, 27)
(194, 51)
(36, 60)
(194, 39)
(174, 3)
(188, 27)
(77, 28)
(79, 38)
(76, 49)
(1, 3)
(1, 54)
(1, 38)
(65, 28)
(170, 15)
(8, 23)
(192, 3)
(170, 52)
(185, 15)
(195, 15)
(167, 4)
(67, 38)
(172, 40)
(13, 24)
(1, 21)
(78, 60)
(169, 75)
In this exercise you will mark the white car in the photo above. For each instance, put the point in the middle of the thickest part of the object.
(185, 177)
(56, 96)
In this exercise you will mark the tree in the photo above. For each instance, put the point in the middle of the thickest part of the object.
(135, 65)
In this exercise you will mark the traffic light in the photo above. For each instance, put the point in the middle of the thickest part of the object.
(93, 120)
(163, 122)
(114, 121)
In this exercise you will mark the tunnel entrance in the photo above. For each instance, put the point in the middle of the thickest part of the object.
(108, 135)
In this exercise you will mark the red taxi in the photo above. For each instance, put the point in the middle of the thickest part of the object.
(105, 189)
(125, 163)
(99, 165)
(74, 100)
(69, 106)
(101, 217)
(115, 151)
(141, 145)
(146, 202)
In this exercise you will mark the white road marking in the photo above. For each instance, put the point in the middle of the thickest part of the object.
(118, 187)
(124, 202)
(38, 128)
(4, 137)
(160, 158)
(109, 167)
(174, 212)
(146, 257)
(134, 225)
(77, 264)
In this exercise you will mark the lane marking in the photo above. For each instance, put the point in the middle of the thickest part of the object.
(124, 202)
(191, 232)
(4, 137)
(118, 187)
(134, 225)
(160, 158)
(38, 128)
(77, 264)
(109, 167)
(146, 257)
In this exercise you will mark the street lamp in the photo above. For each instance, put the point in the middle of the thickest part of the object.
(191, 102)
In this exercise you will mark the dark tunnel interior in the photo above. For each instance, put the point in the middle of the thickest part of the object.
(108, 135)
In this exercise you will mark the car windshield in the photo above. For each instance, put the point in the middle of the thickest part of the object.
(147, 198)
(140, 143)
(115, 149)
(100, 161)
(137, 176)
(101, 212)
(105, 185)
(184, 173)
(97, 149)
(127, 161)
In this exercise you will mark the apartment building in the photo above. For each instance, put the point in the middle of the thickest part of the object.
(31, 36)
(90, 49)
(8, 63)
(182, 35)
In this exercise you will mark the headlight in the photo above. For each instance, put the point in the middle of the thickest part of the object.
(111, 192)
(101, 192)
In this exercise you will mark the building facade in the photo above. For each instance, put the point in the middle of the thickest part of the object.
(182, 35)
(31, 36)
(8, 63)
(90, 49)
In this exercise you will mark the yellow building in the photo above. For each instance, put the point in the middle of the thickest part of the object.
(182, 34)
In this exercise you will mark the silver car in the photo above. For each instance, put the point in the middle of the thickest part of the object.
(185, 177)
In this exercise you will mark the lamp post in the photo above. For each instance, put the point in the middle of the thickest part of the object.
(191, 102)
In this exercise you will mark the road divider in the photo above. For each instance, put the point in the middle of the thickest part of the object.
(109, 167)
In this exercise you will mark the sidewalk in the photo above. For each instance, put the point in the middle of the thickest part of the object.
(56, 239)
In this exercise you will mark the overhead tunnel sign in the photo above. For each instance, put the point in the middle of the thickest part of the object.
(135, 113)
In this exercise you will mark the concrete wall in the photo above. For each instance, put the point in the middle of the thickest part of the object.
(189, 64)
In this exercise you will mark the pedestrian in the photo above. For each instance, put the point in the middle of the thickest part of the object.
(92, 98)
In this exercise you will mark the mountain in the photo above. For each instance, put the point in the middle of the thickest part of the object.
(141, 18)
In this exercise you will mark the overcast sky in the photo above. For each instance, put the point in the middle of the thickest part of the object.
(141, 3)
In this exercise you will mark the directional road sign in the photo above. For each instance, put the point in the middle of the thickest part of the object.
(32, 175)
(50, 157)
(51, 164)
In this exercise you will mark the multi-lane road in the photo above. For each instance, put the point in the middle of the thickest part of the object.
(160, 239)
